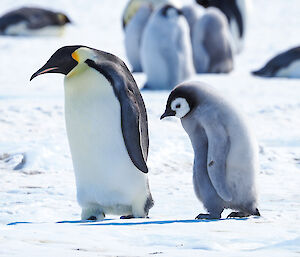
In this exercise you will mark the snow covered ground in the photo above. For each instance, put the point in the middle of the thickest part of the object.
(42, 193)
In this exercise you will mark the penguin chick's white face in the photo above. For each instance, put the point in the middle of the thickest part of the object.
(182, 100)
(180, 106)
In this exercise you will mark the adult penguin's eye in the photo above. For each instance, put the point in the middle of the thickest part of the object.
(177, 106)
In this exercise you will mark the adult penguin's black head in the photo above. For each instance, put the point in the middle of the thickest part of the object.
(62, 61)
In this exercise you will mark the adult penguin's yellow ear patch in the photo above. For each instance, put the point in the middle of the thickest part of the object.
(75, 56)
(82, 54)
(131, 10)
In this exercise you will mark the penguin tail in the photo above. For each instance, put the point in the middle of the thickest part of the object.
(149, 204)
(256, 213)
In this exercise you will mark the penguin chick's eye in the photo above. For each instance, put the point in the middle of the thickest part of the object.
(180, 106)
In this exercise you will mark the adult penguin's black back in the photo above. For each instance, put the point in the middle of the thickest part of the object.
(33, 18)
(280, 65)
(116, 71)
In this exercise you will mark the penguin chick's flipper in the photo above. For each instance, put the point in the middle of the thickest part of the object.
(202, 216)
(218, 147)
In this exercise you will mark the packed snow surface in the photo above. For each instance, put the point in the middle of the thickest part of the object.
(38, 198)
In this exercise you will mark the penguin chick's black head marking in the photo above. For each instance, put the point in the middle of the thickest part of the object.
(167, 7)
(181, 92)
(60, 62)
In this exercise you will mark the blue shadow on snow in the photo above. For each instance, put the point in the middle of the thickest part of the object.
(125, 222)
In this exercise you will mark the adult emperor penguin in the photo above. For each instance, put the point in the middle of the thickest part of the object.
(225, 150)
(236, 12)
(133, 36)
(107, 128)
(286, 64)
(166, 53)
(29, 21)
(211, 46)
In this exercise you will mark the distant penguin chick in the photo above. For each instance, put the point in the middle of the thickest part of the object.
(236, 12)
(286, 65)
(133, 36)
(192, 12)
(212, 51)
(107, 128)
(226, 154)
(166, 53)
(28, 21)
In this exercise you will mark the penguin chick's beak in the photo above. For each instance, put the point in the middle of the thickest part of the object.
(168, 113)
(42, 71)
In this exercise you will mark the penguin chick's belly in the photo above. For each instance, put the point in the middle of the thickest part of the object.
(21, 29)
(105, 174)
(241, 167)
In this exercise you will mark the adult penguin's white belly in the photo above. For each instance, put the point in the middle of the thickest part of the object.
(22, 30)
(291, 71)
(105, 174)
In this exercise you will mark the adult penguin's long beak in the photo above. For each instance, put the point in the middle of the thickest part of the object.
(43, 70)
(62, 61)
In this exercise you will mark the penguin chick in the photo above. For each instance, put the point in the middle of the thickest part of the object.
(166, 53)
(236, 12)
(107, 129)
(212, 51)
(192, 12)
(225, 161)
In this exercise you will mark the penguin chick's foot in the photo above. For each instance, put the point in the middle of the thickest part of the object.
(238, 214)
(132, 217)
(92, 218)
(126, 217)
(202, 216)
